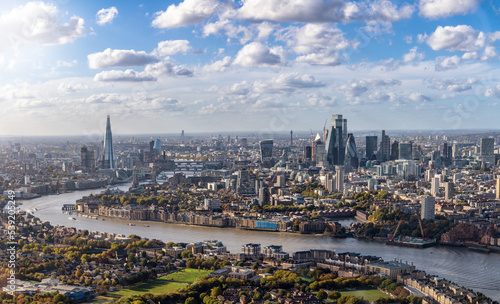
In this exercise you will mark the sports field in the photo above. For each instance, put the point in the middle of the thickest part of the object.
(367, 294)
(162, 285)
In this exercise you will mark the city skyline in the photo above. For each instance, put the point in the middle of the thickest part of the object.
(246, 66)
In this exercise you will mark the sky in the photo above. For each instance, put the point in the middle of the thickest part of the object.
(267, 66)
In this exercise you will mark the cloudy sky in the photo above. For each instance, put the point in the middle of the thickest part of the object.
(247, 65)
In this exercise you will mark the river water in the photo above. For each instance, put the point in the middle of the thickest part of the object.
(478, 271)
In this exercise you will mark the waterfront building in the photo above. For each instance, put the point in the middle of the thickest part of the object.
(428, 207)
(390, 269)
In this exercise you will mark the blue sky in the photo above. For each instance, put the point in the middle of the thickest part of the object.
(249, 65)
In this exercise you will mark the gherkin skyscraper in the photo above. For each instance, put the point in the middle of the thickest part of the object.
(108, 155)
(351, 156)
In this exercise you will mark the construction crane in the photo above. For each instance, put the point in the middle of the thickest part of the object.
(420, 224)
(391, 238)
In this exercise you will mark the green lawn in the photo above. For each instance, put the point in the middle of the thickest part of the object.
(162, 285)
(367, 294)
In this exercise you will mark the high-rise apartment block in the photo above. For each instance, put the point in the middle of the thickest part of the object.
(428, 207)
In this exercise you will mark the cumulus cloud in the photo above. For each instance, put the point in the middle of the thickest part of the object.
(172, 47)
(106, 15)
(127, 75)
(447, 63)
(470, 56)
(322, 11)
(493, 92)
(318, 44)
(226, 26)
(319, 100)
(18, 27)
(119, 58)
(452, 85)
(413, 55)
(218, 66)
(418, 97)
(445, 8)
(188, 12)
(257, 54)
(456, 38)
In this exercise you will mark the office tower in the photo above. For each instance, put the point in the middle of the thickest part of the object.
(339, 179)
(157, 146)
(87, 158)
(487, 150)
(108, 155)
(153, 174)
(448, 191)
(244, 141)
(266, 150)
(336, 140)
(320, 157)
(454, 151)
(372, 184)
(371, 147)
(351, 157)
(405, 150)
(428, 207)
(385, 147)
(498, 188)
(395, 150)
(291, 138)
(151, 146)
(435, 183)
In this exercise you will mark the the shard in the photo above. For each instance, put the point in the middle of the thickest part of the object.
(108, 155)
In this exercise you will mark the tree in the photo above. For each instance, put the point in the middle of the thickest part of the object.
(217, 291)
(190, 300)
(186, 254)
(334, 295)
(321, 295)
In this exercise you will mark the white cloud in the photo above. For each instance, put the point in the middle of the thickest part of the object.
(418, 97)
(470, 56)
(445, 8)
(422, 37)
(127, 75)
(318, 44)
(241, 33)
(319, 100)
(413, 55)
(452, 85)
(489, 53)
(493, 92)
(447, 63)
(66, 64)
(456, 38)
(172, 47)
(218, 66)
(322, 11)
(119, 58)
(106, 15)
(188, 12)
(257, 54)
(17, 26)
(70, 87)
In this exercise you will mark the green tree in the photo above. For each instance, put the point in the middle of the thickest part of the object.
(321, 295)
(217, 291)
(186, 254)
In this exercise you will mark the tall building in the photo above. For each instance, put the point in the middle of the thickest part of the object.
(371, 147)
(157, 146)
(435, 183)
(266, 150)
(395, 150)
(291, 138)
(498, 188)
(385, 147)
(428, 208)
(488, 150)
(339, 179)
(448, 191)
(405, 150)
(336, 140)
(455, 152)
(87, 158)
(351, 157)
(108, 155)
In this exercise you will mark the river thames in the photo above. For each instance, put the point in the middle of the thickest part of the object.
(478, 271)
